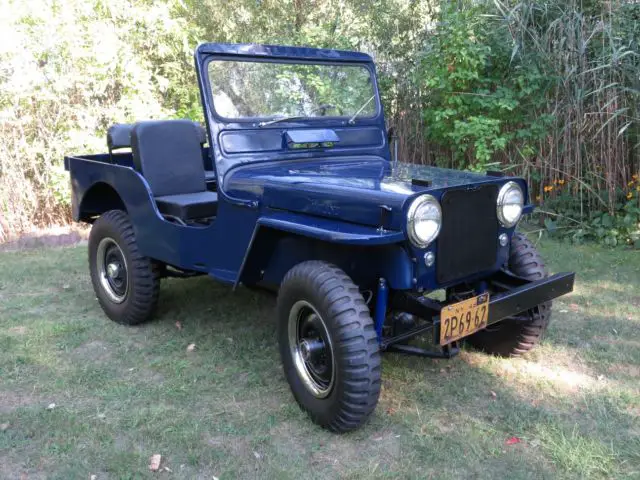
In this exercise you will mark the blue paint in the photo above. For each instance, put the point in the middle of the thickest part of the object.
(381, 307)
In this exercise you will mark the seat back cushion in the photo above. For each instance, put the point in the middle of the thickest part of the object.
(119, 136)
(169, 156)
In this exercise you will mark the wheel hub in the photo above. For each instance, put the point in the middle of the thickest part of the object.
(112, 270)
(311, 349)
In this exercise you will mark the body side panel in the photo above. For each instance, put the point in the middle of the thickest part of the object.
(207, 249)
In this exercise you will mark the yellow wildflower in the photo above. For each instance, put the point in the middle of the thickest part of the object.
(548, 188)
(538, 198)
(635, 177)
(629, 184)
(561, 182)
(629, 195)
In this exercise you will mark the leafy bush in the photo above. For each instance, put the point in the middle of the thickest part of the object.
(561, 215)
(480, 98)
(548, 90)
(67, 71)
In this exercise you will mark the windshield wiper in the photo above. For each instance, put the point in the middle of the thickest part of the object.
(352, 120)
(297, 117)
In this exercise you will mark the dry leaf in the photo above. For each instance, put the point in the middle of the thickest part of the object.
(257, 455)
(179, 325)
(154, 462)
(574, 306)
(3, 426)
(512, 441)
(93, 477)
(493, 394)
(51, 406)
(191, 347)
(167, 469)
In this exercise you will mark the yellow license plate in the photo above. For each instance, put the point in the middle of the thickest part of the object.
(463, 318)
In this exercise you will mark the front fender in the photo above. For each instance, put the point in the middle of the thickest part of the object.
(329, 230)
(283, 239)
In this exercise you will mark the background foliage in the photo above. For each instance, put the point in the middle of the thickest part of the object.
(548, 89)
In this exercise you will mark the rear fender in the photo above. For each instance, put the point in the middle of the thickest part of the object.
(98, 199)
(123, 189)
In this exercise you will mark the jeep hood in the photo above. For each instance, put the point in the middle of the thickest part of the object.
(367, 191)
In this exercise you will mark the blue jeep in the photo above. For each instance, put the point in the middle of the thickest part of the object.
(293, 187)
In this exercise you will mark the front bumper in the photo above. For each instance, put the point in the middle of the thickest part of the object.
(512, 296)
(527, 295)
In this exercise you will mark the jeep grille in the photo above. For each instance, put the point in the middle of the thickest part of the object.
(468, 239)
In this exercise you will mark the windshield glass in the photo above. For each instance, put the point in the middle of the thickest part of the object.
(269, 90)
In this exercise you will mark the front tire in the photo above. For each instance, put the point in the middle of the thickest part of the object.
(126, 283)
(510, 338)
(328, 346)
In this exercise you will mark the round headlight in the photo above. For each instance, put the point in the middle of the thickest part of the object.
(424, 220)
(510, 203)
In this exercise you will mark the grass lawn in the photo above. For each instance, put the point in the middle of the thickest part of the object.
(122, 394)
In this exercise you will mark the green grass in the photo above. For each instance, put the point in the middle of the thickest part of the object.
(123, 394)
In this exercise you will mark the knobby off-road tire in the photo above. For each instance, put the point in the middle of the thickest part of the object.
(126, 283)
(512, 338)
(323, 317)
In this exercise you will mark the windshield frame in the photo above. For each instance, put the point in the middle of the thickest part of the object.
(255, 121)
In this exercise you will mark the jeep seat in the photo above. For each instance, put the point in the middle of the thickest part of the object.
(168, 154)
(119, 136)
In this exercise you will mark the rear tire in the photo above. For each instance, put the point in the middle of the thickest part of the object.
(126, 283)
(510, 338)
(328, 346)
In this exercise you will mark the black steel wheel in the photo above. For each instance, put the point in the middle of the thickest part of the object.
(311, 348)
(513, 338)
(126, 283)
(328, 346)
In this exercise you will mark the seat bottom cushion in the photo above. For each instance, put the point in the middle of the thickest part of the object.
(189, 206)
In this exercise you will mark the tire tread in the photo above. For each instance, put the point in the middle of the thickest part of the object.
(354, 338)
(144, 272)
(514, 339)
